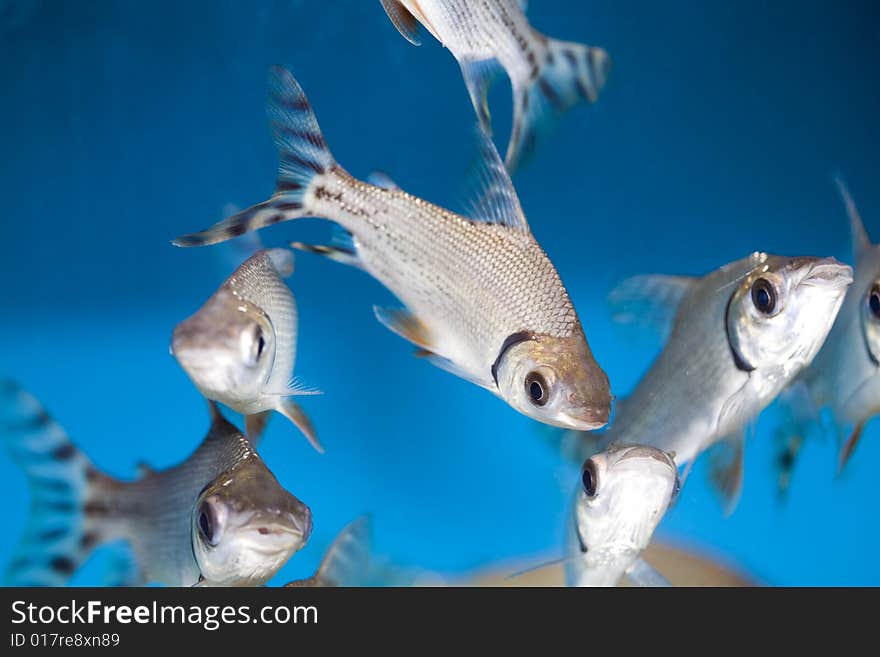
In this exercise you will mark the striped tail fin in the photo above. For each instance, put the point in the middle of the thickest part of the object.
(58, 535)
(570, 73)
(304, 156)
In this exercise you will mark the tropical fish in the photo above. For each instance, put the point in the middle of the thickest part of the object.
(623, 495)
(218, 518)
(347, 561)
(482, 298)
(736, 338)
(547, 76)
(844, 377)
(239, 348)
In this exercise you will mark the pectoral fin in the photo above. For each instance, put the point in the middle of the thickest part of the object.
(726, 470)
(405, 324)
(405, 22)
(294, 412)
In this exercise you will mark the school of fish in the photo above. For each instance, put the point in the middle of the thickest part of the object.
(481, 299)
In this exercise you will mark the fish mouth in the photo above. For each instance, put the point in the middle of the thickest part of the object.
(828, 272)
(288, 528)
(643, 451)
(587, 419)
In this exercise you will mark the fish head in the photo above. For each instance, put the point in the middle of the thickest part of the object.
(227, 348)
(554, 380)
(245, 526)
(782, 310)
(624, 494)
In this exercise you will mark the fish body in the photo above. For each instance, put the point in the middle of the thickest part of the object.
(736, 338)
(844, 377)
(623, 495)
(218, 518)
(482, 299)
(547, 76)
(239, 348)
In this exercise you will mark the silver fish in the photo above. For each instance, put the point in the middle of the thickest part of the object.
(736, 338)
(482, 298)
(239, 348)
(347, 561)
(547, 76)
(218, 518)
(845, 376)
(623, 495)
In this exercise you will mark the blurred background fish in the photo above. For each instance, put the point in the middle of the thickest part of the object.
(218, 518)
(548, 76)
(843, 378)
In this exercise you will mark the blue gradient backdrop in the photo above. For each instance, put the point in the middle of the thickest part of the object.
(125, 124)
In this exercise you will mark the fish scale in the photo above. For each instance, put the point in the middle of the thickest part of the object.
(491, 281)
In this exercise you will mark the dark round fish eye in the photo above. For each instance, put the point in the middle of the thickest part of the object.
(261, 344)
(764, 296)
(537, 389)
(589, 479)
(206, 524)
(874, 301)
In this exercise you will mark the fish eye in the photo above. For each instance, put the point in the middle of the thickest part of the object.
(207, 525)
(589, 478)
(261, 344)
(537, 389)
(764, 296)
(874, 301)
(254, 344)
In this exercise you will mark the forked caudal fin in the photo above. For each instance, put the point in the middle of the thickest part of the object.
(570, 73)
(60, 532)
(303, 155)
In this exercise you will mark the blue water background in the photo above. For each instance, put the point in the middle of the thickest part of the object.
(125, 124)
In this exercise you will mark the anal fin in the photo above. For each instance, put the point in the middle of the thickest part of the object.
(255, 426)
(850, 445)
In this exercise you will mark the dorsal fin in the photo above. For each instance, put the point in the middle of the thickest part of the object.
(650, 301)
(493, 198)
(858, 234)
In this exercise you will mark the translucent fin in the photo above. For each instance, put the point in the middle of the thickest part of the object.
(448, 366)
(641, 573)
(405, 324)
(405, 22)
(293, 412)
(347, 562)
(335, 253)
(383, 180)
(58, 536)
(860, 240)
(255, 426)
(726, 470)
(493, 197)
(570, 72)
(282, 260)
(304, 156)
(650, 301)
(478, 76)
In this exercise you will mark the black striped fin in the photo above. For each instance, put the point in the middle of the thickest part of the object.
(57, 537)
(569, 73)
(493, 198)
(404, 21)
(303, 156)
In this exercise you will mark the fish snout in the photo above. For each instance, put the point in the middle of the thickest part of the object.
(828, 271)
